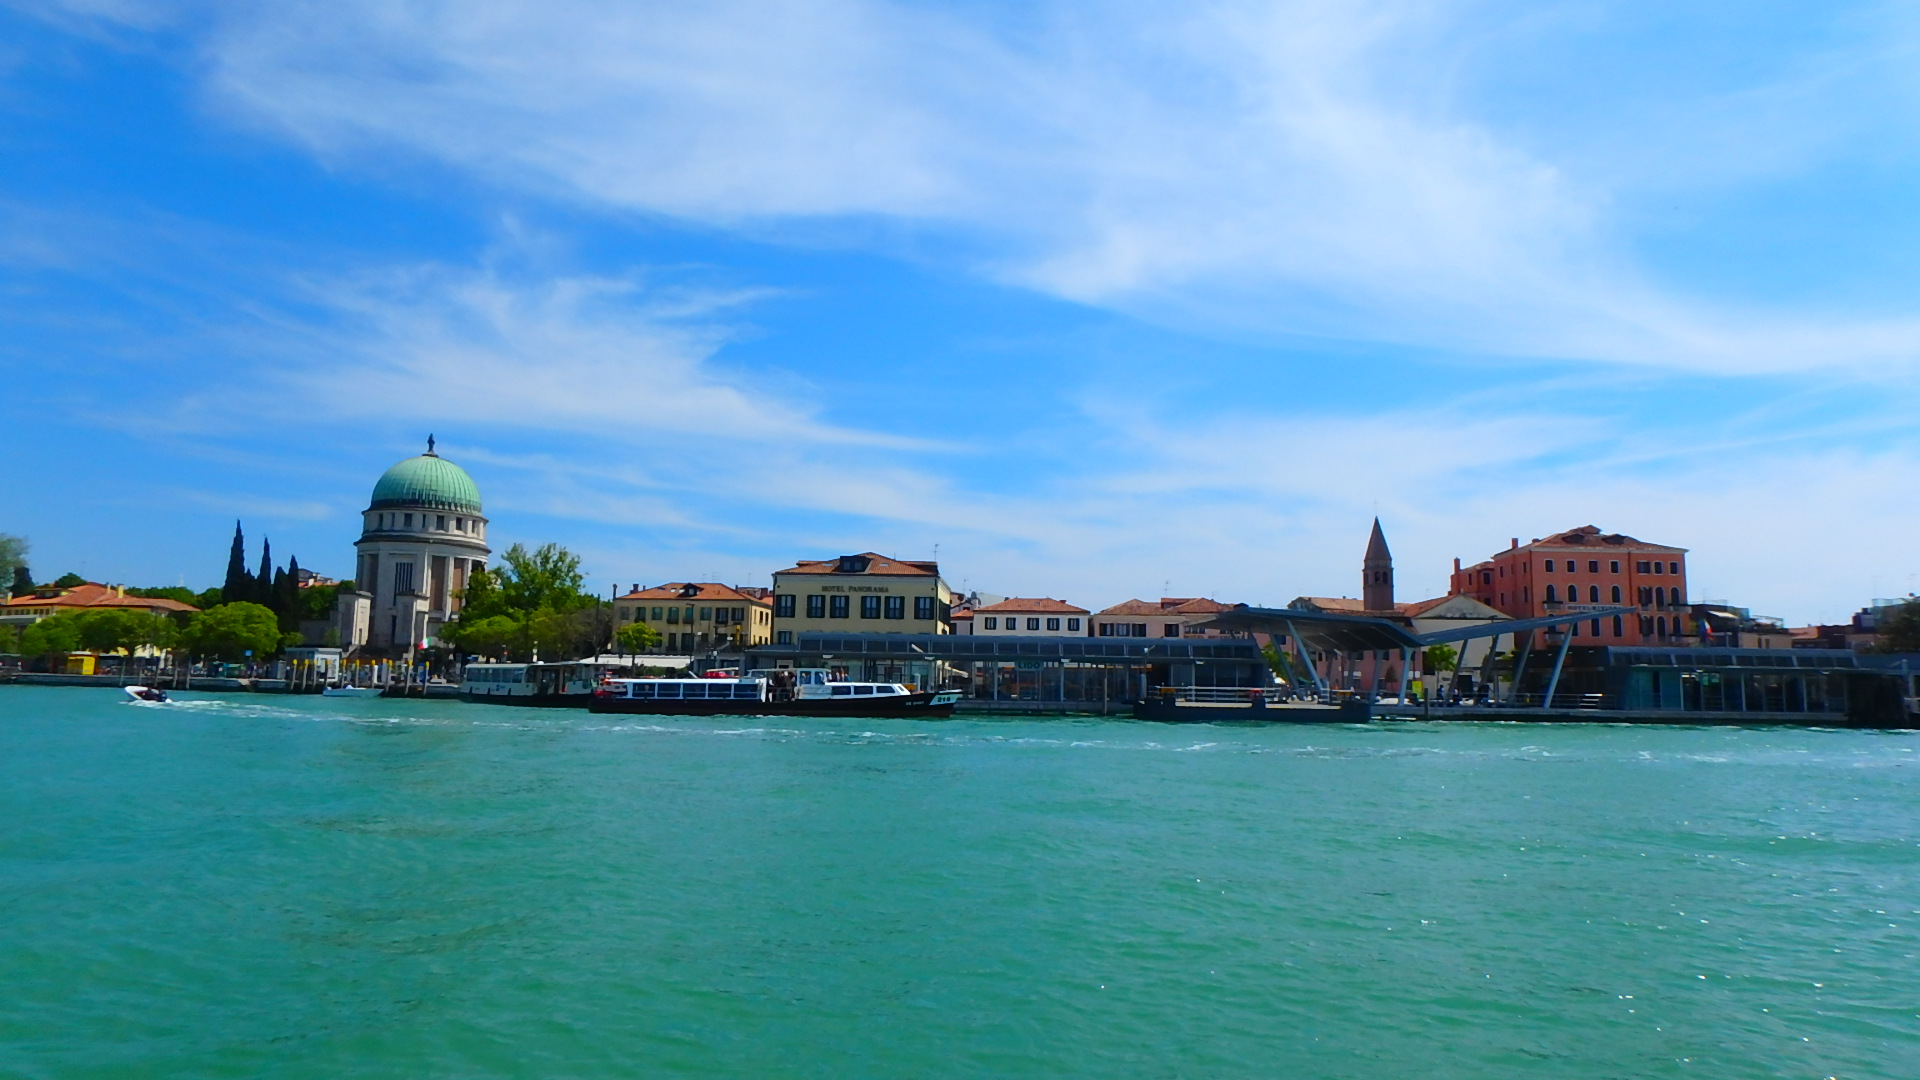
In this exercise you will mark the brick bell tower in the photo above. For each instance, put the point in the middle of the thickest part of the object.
(1376, 572)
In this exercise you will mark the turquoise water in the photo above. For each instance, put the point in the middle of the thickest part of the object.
(303, 887)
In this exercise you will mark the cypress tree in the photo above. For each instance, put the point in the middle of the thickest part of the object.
(22, 580)
(263, 581)
(239, 583)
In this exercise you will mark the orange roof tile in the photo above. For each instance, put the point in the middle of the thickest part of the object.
(704, 591)
(94, 595)
(876, 564)
(1036, 606)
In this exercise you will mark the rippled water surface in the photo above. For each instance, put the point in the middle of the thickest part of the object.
(303, 887)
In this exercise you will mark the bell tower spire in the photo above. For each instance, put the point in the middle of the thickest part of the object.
(1376, 572)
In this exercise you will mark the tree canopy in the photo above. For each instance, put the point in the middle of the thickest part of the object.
(227, 632)
(1899, 629)
(13, 558)
(532, 602)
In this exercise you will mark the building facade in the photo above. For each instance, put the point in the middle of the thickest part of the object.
(866, 593)
(1021, 615)
(1585, 569)
(695, 616)
(422, 537)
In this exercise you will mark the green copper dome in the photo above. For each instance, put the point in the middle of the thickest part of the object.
(430, 481)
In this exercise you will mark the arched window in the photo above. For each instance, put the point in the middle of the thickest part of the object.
(1618, 629)
(1593, 594)
(1616, 599)
(1551, 595)
(1660, 626)
(1675, 598)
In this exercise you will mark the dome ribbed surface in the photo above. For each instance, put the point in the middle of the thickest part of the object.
(429, 481)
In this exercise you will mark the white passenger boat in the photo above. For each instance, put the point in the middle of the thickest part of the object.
(784, 692)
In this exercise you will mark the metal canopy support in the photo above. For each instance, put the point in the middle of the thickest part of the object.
(1405, 661)
(1319, 688)
(1566, 638)
(1519, 666)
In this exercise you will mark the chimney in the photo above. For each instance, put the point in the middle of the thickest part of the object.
(1516, 543)
(1456, 564)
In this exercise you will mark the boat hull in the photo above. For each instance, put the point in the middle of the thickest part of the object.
(910, 707)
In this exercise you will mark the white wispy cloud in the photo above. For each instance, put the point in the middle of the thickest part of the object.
(1275, 165)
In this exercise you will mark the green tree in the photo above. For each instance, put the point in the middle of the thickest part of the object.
(547, 577)
(495, 636)
(13, 557)
(69, 580)
(1899, 629)
(178, 593)
(9, 640)
(636, 637)
(51, 636)
(1442, 657)
(227, 632)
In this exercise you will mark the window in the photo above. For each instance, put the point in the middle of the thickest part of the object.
(1616, 599)
(1660, 626)
(1659, 567)
(1646, 596)
(403, 578)
(1172, 629)
(783, 606)
(1593, 567)
(1033, 624)
(1549, 566)
(1486, 577)
(656, 615)
(1643, 567)
(459, 524)
(1074, 625)
(896, 607)
(1053, 624)
(1552, 598)
(1572, 567)
(673, 615)
(1673, 568)
(1619, 630)
(440, 522)
(863, 690)
(786, 637)
(1139, 629)
(1615, 564)
(870, 607)
(721, 616)
(992, 622)
(923, 607)
(409, 521)
(1596, 628)
(1593, 597)
(1674, 598)
(689, 612)
(841, 607)
(706, 614)
(739, 614)
(816, 606)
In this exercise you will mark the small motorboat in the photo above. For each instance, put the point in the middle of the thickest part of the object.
(350, 691)
(151, 694)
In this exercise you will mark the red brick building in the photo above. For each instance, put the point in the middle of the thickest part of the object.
(1585, 569)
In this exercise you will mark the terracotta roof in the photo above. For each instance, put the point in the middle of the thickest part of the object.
(1347, 605)
(704, 591)
(1199, 605)
(1133, 607)
(1025, 605)
(875, 564)
(1591, 536)
(92, 595)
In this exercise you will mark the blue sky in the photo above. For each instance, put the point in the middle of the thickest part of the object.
(1101, 300)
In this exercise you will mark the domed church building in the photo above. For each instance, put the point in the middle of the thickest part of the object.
(421, 537)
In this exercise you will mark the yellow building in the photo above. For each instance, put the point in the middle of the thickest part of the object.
(861, 594)
(693, 617)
